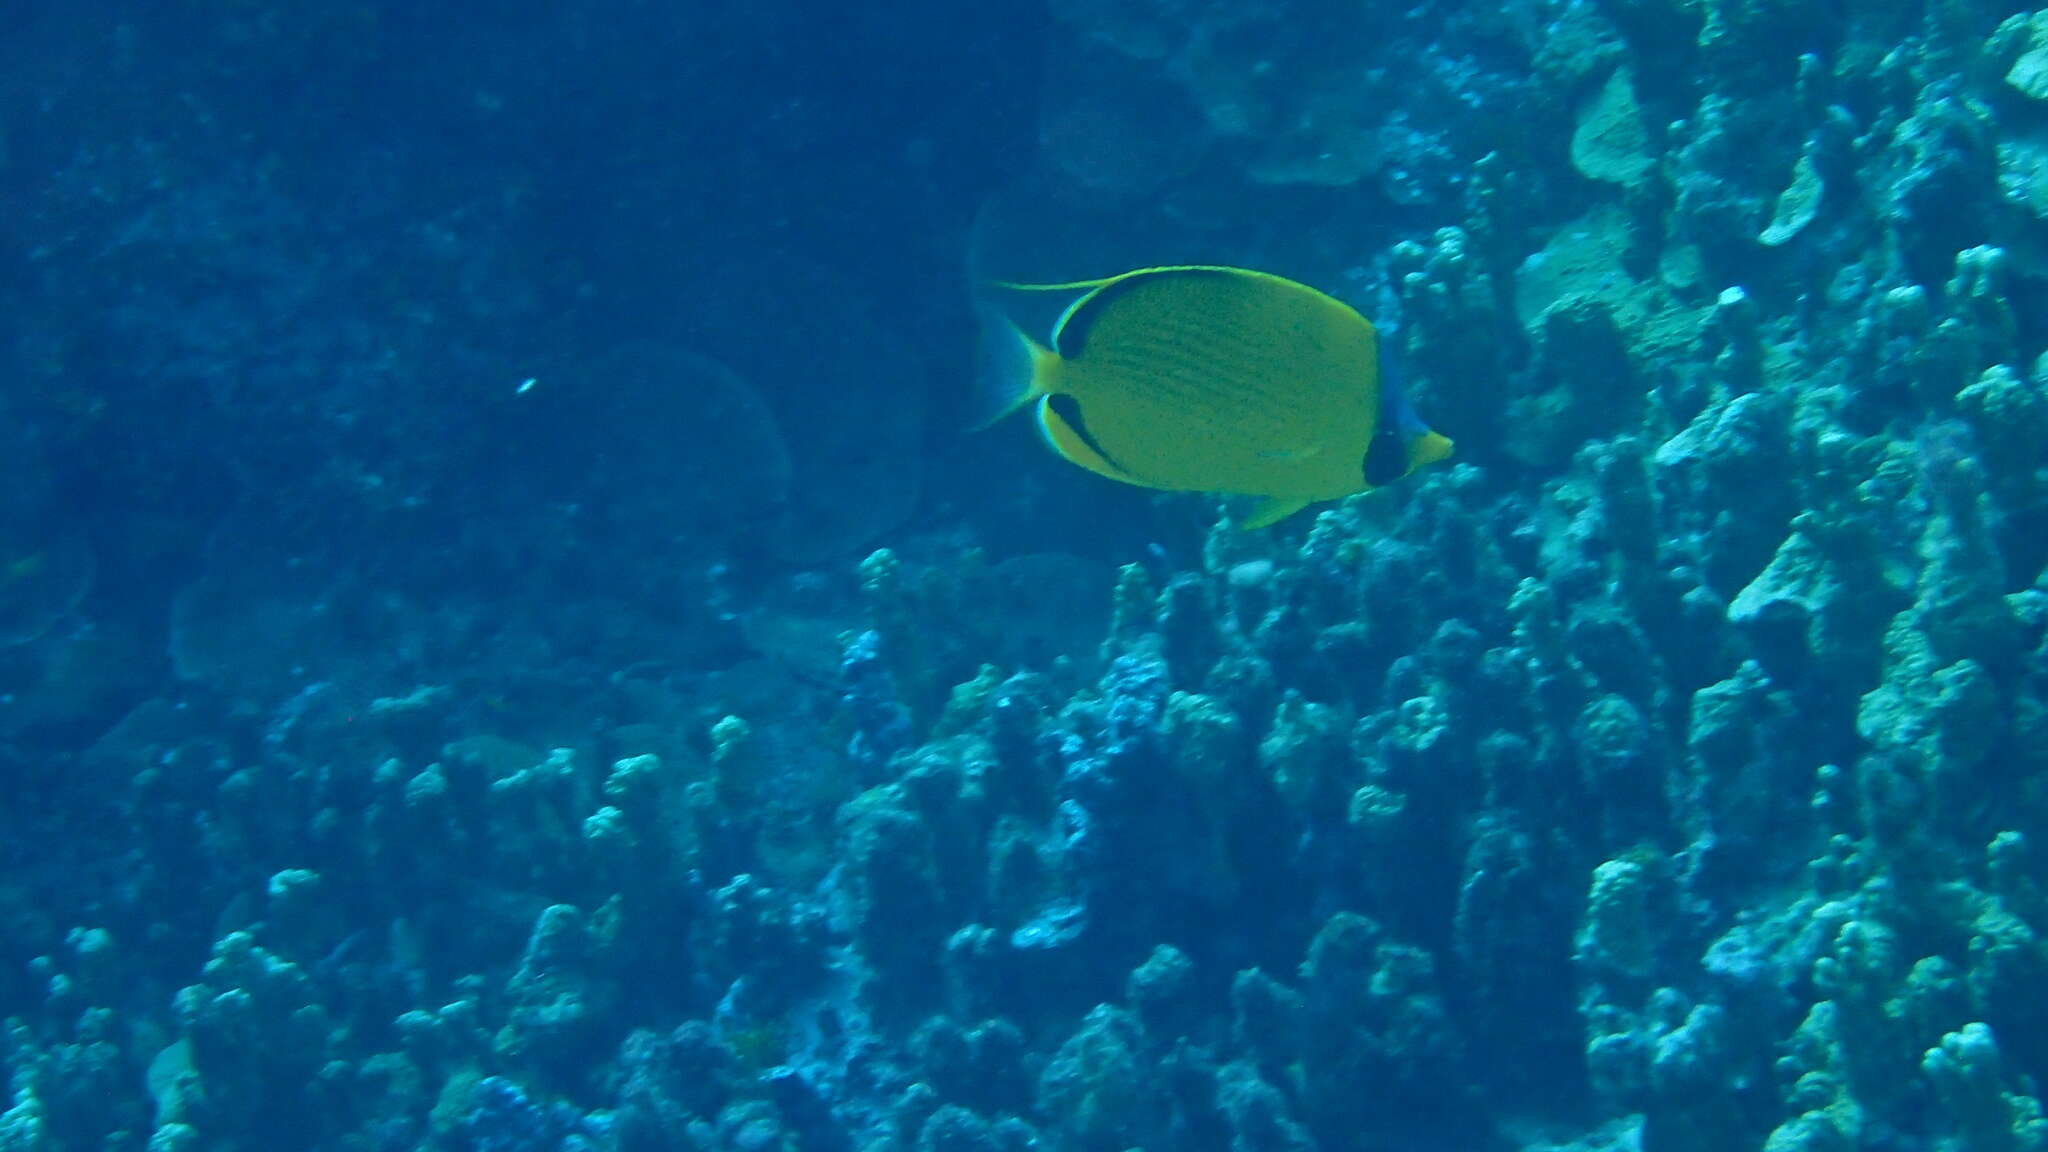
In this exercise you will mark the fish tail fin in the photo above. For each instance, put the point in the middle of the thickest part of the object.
(1014, 369)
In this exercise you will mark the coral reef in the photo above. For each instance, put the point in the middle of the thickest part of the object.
(450, 704)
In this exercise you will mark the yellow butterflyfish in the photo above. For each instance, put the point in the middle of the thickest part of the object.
(1210, 379)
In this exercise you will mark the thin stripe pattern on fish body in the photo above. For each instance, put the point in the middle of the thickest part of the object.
(1195, 400)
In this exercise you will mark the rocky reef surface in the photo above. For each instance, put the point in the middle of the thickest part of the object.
(423, 730)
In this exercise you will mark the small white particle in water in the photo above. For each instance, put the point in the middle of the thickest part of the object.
(525, 386)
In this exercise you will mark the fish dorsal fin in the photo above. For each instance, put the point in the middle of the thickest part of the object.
(1070, 332)
(1069, 286)
(1091, 297)
(1036, 308)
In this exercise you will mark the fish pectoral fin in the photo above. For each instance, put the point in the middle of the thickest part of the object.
(1270, 510)
(1305, 452)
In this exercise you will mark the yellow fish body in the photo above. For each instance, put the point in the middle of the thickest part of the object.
(1211, 379)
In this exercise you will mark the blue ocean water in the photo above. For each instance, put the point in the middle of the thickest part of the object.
(511, 642)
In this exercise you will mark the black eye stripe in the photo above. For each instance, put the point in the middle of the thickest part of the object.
(1386, 458)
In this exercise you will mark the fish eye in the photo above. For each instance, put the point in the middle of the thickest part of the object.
(1386, 458)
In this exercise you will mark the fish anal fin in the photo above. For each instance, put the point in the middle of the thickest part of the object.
(1270, 510)
(1059, 420)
